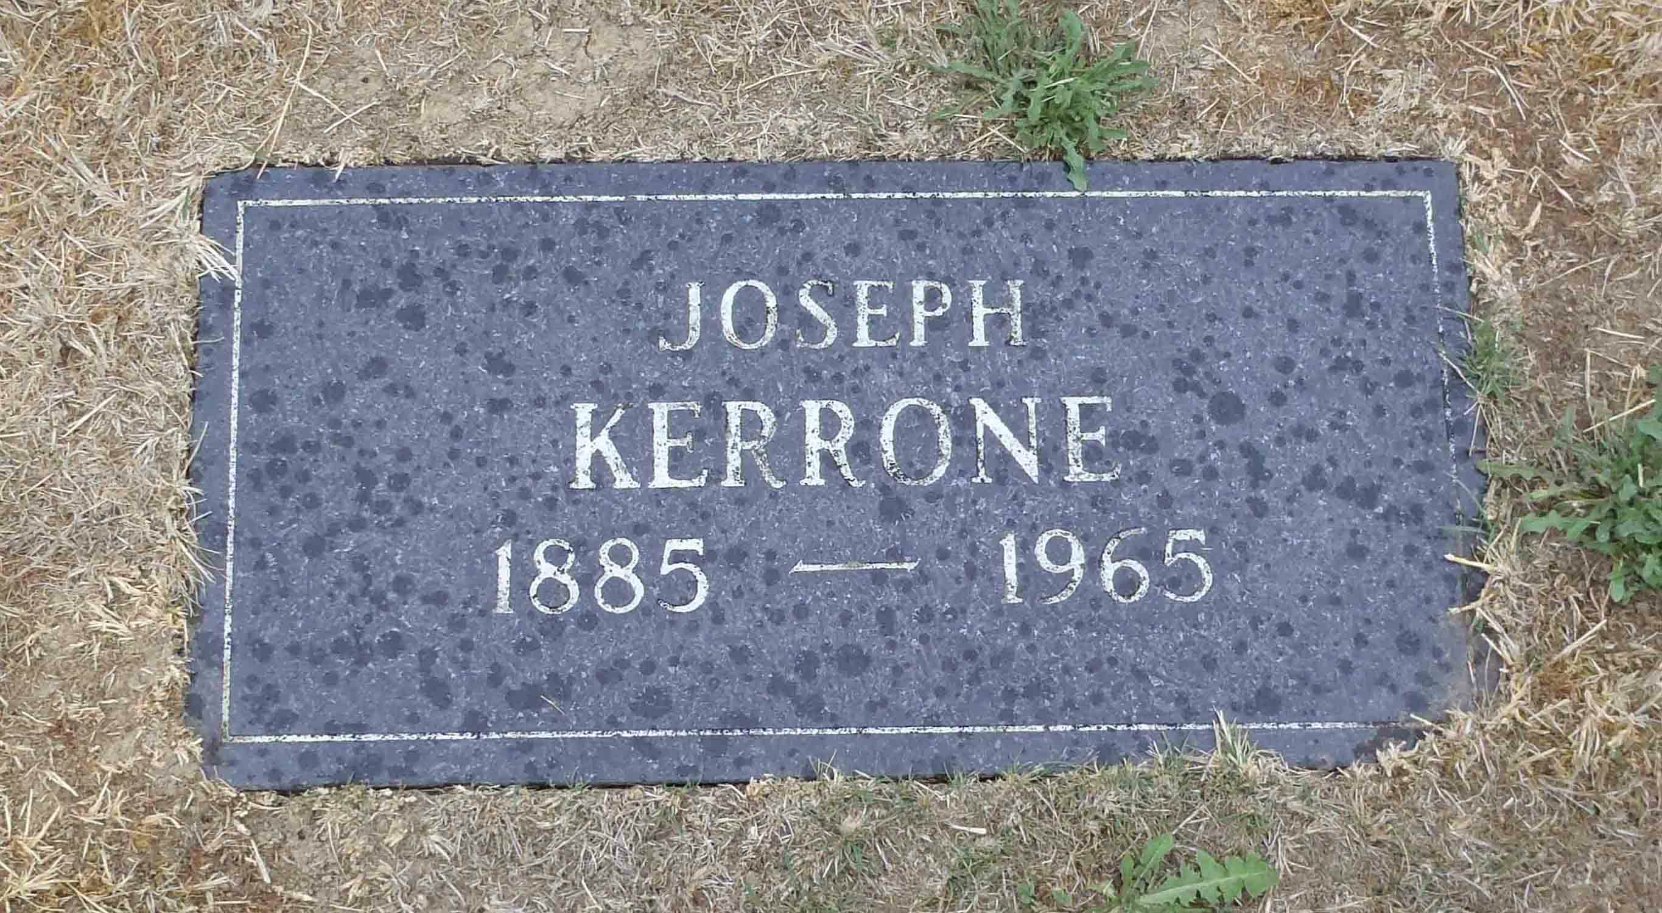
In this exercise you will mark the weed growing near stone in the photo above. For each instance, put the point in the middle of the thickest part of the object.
(1042, 82)
(1207, 885)
(1492, 364)
(1606, 494)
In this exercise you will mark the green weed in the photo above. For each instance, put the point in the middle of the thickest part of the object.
(1208, 884)
(1606, 494)
(1042, 81)
(1491, 367)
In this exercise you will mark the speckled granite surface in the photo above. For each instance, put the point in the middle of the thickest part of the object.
(449, 381)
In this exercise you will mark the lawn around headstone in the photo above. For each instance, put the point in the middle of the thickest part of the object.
(910, 653)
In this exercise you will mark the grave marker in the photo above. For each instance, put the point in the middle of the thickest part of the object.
(625, 473)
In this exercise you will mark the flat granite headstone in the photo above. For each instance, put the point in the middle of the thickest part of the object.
(618, 473)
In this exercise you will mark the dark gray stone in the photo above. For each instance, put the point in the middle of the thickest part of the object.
(412, 345)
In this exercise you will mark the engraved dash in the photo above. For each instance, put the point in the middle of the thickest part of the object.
(809, 567)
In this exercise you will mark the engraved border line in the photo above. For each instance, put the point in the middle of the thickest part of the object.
(833, 195)
(602, 734)
(592, 734)
(231, 486)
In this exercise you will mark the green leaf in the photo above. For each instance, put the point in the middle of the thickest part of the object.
(1076, 164)
(1035, 106)
(1214, 882)
(1508, 471)
(1540, 523)
(1073, 29)
(971, 70)
(1155, 852)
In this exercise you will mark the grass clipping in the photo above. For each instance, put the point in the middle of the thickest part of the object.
(1057, 99)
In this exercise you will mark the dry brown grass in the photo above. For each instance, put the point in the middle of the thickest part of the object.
(111, 113)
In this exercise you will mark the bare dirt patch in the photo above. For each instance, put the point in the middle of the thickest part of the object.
(111, 115)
